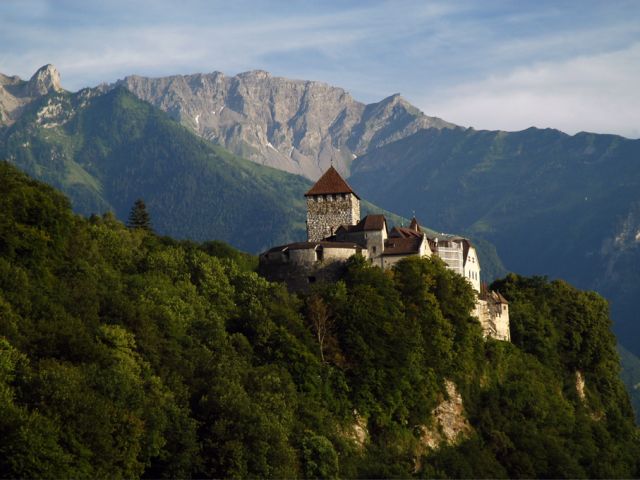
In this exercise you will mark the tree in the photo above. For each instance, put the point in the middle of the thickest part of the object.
(321, 321)
(139, 216)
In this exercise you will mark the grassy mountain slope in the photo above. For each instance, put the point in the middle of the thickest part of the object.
(552, 204)
(114, 148)
(107, 150)
(127, 355)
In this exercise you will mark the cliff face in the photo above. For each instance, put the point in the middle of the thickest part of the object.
(16, 93)
(293, 125)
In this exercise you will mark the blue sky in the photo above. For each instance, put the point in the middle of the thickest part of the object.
(488, 64)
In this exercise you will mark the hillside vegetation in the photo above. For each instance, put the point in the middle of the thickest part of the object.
(552, 204)
(124, 354)
(105, 150)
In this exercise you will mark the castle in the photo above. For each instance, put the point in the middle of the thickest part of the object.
(335, 232)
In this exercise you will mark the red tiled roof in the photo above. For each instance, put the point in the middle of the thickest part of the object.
(373, 222)
(329, 183)
(403, 232)
(402, 246)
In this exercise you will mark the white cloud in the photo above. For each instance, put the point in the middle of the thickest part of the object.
(492, 64)
(597, 93)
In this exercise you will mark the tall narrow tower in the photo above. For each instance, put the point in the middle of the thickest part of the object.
(330, 203)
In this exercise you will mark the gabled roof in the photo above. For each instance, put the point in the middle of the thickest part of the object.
(372, 222)
(402, 246)
(369, 223)
(404, 232)
(491, 295)
(413, 230)
(329, 183)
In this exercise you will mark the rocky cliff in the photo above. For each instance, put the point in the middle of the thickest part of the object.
(293, 125)
(16, 93)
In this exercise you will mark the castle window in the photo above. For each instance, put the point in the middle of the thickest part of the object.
(311, 279)
(319, 254)
(374, 249)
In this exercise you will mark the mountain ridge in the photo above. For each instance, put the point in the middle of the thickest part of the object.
(106, 149)
(298, 126)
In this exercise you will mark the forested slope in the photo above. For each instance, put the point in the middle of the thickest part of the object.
(125, 354)
(552, 204)
(105, 150)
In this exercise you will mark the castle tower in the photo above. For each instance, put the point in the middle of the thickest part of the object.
(330, 203)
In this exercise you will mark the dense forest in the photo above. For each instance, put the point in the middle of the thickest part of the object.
(128, 354)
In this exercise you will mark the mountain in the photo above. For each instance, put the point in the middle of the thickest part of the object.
(128, 355)
(15, 93)
(107, 149)
(552, 204)
(293, 125)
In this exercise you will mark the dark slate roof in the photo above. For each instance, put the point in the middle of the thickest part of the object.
(310, 245)
(402, 246)
(329, 183)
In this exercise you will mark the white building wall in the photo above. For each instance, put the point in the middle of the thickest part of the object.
(502, 323)
(472, 269)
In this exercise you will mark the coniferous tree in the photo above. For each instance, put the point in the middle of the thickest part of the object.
(139, 216)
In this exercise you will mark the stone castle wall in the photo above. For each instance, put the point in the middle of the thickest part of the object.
(325, 213)
(299, 269)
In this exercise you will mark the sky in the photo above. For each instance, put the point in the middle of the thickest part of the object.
(490, 64)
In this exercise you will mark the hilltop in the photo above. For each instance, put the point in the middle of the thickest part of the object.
(124, 354)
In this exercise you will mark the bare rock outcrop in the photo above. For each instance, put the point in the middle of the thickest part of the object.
(293, 125)
(450, 422)
(580, 384)
(45, 80)
(16, 93)
(358, 431)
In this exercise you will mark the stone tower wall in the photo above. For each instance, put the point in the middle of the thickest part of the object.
(325, 213)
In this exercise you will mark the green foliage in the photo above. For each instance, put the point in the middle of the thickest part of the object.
(139, 216)
(564, 205)
(115, 149)
(631, 377)
(124, 355)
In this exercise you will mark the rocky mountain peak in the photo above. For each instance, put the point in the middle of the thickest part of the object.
(299, 126)
(45, 80)
(257, 74)
(397, 100)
